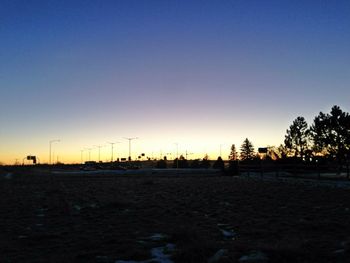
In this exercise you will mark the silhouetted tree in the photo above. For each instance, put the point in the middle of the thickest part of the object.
(297, 137)
(205, 163)
(282, 151)
(181, 163)
(162, 164)
(272, 153)
(331, 133)
(219, 164)
(176, 163)
(247, 150)
(233, 154)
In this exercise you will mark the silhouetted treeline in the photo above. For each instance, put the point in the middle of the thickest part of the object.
(327, 137)
(325, 141)
(182, 162)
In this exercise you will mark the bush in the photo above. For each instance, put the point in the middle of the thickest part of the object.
(205, 163)
(219, 164)
(180, 163)
(161, 164)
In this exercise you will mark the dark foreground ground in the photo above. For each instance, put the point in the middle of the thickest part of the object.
(109, 218)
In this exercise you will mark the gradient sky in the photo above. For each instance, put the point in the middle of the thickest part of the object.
(196, 73)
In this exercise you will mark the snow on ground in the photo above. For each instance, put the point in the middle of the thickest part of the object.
(159, 254)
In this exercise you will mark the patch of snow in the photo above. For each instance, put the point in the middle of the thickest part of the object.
(158, 237)
(217, 256)
(254, 257)
(129, 261)
(40, 212)
(161, 254)
(228, 233)
(77, 207)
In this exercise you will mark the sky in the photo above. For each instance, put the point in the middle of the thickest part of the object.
(195, 76)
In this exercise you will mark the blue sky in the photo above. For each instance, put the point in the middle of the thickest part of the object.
(199, 73)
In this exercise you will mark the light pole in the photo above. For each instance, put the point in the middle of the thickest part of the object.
(50, 146)
(89, 154)
(177, 155)
(220, 150)
(112, 145)
(81, 156)
(99, 151)
(130, 139)
(89, 149)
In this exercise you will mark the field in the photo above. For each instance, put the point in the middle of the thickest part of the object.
(170, 218)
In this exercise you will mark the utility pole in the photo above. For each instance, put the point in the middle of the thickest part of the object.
(81, 156)
(130, 139)
(50, 146)
(112, 147)
(89, 149)
(177, 155)
(99, 151)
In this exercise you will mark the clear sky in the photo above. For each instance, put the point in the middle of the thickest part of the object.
(197, 73)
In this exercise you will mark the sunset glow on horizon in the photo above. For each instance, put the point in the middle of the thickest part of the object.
(203, 74)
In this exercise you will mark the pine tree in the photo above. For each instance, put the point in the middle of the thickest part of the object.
(205, 163)
(331, 133)
(247, 150)
(233, 154)
(297, 137)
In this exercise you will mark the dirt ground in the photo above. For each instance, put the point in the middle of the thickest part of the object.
(52, 218)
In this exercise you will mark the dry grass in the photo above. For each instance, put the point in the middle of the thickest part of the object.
(102, 219)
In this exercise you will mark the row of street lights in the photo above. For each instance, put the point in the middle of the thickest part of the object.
(112, 150)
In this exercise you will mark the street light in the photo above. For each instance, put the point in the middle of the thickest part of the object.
(177, 155)
(130, 139)
(50, 145)
(112, 144)
(89, 149)
(81, 156)
(99, 151)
